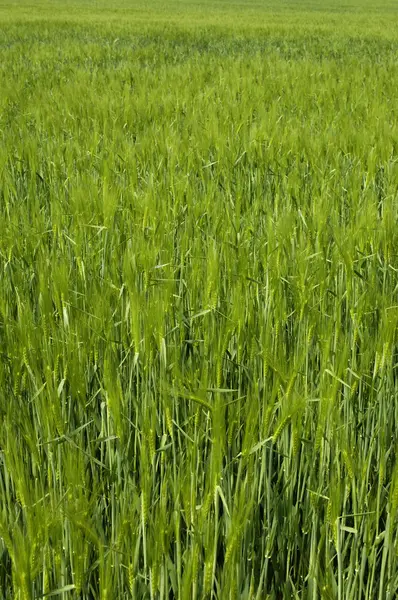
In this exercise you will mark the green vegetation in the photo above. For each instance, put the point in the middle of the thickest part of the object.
(198, 300)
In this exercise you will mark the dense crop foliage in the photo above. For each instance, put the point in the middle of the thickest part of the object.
(198, 301)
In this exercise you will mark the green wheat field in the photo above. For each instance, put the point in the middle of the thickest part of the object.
(198, 300)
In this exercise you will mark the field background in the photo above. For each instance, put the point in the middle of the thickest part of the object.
(198, 300)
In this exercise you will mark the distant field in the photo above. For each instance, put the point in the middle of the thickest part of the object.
(198, 300)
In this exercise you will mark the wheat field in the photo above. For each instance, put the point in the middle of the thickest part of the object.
(198, 300)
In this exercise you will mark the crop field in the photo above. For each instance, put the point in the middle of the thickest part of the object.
(198, 300)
